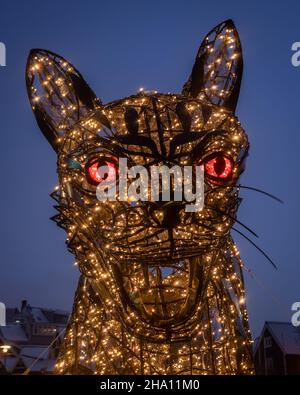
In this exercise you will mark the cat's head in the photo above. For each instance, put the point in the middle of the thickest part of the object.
(150, 255)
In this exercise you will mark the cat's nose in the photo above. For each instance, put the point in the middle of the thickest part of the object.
(167, 214)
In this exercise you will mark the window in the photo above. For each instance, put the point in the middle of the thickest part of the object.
(44, 329)
(268, 342)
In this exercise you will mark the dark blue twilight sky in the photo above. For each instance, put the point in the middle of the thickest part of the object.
(120, 46)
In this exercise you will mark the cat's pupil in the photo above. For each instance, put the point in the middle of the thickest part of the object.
(219, 165)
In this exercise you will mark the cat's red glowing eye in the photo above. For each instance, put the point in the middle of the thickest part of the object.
(93, 165)
(219, 167)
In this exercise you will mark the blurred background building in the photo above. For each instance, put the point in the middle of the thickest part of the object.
(30, 339)
(277, 350)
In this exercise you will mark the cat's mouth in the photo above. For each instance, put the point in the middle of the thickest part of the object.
(164, 295)
(160, 280)
(159, 274)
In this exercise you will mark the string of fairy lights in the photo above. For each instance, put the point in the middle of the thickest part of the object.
(161, 290)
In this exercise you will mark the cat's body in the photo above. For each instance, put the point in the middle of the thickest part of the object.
(161, 289)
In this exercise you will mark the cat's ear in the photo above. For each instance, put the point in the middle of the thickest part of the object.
(58, 94)
(218, 69)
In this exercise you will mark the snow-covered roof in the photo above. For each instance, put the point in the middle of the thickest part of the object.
(35, 352)
(9, 362)
(286, 335)
(13, 333)
(38, 315)
(46, 365)
(37, 359)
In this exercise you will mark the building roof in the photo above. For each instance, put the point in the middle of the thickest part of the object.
(38, 315)
(286, 335)
(46, 365)
(13, 333)
(37, 359)
(9, 363)
(11, 313)
(35, 352)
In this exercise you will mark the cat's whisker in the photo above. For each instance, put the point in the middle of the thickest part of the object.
(234, 219)
(257, 247)
(214, 189)
(260, 191)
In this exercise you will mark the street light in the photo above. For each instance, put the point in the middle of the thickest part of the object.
(5, 348)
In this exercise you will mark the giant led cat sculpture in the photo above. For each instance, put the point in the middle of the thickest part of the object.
(161, 289)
